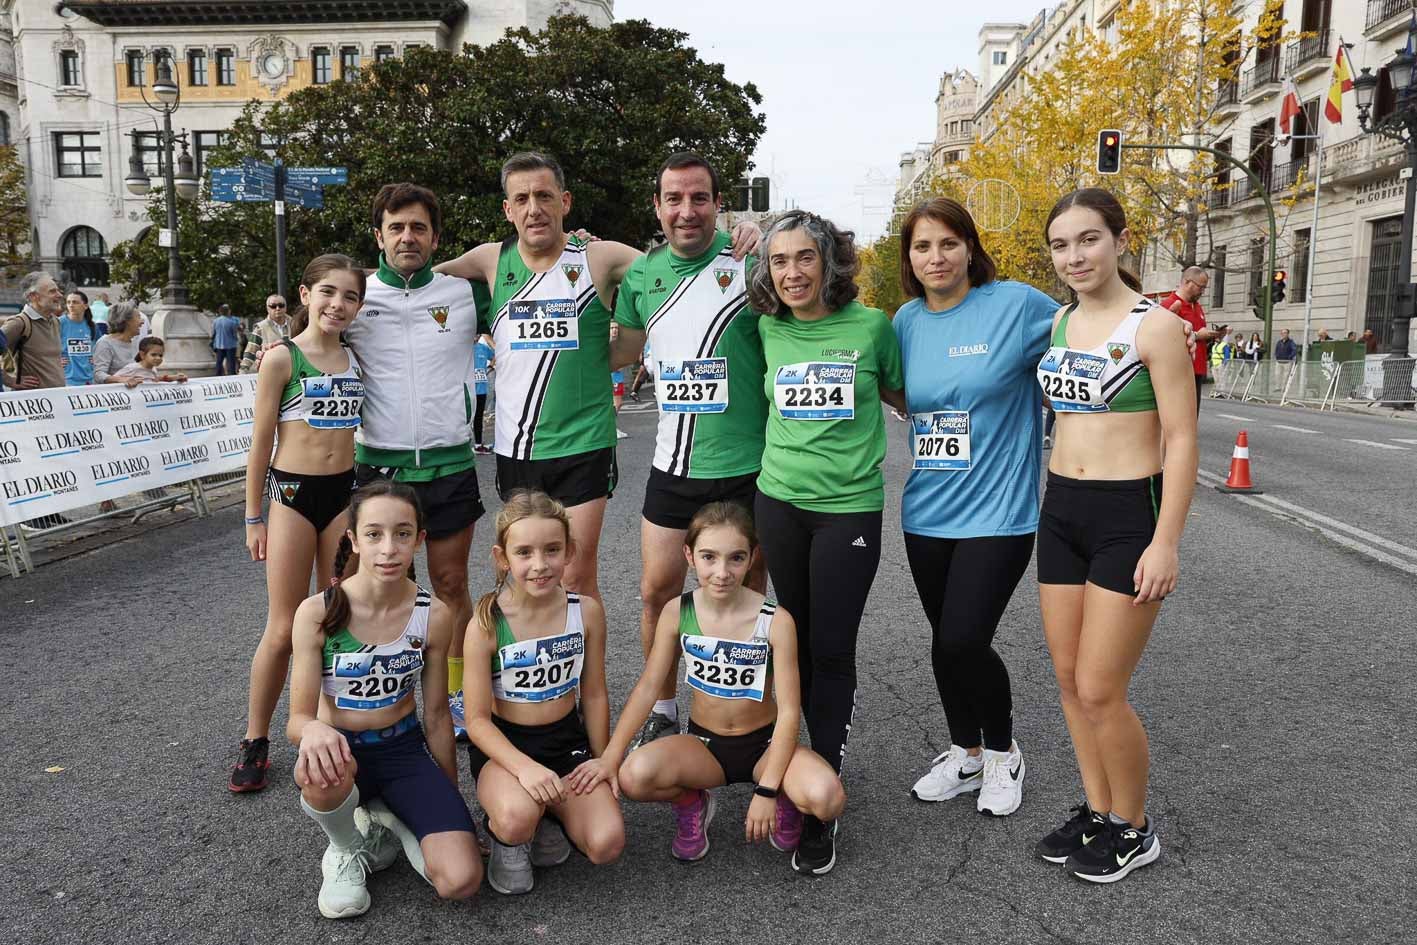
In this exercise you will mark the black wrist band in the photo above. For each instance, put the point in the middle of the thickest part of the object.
(760, 791)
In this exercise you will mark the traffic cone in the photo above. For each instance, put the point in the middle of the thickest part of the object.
(1240, 480)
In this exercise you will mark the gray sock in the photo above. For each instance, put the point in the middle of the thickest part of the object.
(338, 824)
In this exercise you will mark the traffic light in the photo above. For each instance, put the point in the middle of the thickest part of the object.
(759, 196)
(1109, 151)
(1276, 292)
(739, 197)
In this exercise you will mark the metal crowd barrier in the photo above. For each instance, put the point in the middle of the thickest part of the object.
(1325, 385)
(16, 539)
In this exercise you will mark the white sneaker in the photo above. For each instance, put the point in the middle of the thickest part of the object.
(392, 834)
(953, 773)
(343, 893)
(1003, 782)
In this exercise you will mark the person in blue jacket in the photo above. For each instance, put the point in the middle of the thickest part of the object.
(970, 344)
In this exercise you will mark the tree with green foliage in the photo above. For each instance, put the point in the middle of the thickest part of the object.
(14, 215)
(608, 103)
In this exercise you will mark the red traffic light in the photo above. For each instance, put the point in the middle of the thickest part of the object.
(1280, 275)
(1109, 151)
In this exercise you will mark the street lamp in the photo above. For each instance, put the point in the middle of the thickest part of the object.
(183, 183)
(1400, 124)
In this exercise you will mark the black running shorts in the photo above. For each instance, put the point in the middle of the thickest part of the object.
(450, 503)
(571, 480)
(561, 745)
(737, 755)
(1095, 530)
(672, 501)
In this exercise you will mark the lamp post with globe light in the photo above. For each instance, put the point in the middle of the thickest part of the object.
(1400, 124)
(176, 321)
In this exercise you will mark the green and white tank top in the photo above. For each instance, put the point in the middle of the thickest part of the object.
(1108, 377)
(542, 668)
(324, 401)
(552, 342)
(365, 676)
(708, 365)
(728, 669)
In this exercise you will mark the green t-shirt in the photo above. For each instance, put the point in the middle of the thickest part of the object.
(694, 312)
(825, 454)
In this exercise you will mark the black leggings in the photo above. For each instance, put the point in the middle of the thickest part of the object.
(477, 419)
(964, 585)
(822, 565)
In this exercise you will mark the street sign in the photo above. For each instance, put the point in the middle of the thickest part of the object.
(318, 175)
(241, 190)
(304, 195)
(258, 170)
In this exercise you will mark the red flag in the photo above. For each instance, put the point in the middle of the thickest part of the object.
(1289, 107)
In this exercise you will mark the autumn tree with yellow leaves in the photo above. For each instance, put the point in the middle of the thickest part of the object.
(1159, 80)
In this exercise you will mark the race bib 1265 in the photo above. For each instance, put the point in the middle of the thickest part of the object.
(541, 324)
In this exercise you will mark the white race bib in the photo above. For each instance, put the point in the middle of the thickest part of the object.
(78, 347)
(542, 669)
(693, 386)
(372, 680)
(333, 403)
(729, 669)
(940, 440)
(544, 324)
(1072, 380)
(816, 390)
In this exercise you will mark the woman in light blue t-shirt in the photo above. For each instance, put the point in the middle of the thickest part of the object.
(969, 345)
(77, 336)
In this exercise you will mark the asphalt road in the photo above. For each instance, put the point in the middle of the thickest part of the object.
(1277, 693)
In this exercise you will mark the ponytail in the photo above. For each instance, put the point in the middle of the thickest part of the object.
(1129, 278)
(488, 610)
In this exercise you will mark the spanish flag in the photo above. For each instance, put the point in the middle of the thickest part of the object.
(1342, 82)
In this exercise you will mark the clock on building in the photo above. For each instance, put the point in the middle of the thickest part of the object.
(273, 65)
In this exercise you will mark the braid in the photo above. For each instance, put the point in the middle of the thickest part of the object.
(336, 600)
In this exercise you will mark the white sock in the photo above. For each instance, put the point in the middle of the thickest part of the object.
(971, 762)
(668, 708)
(338, 824)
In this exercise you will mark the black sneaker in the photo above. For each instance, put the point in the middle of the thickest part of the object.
(816, 851)
(249, 772)
(1079, 830)
(1126, 849)
(656, 726)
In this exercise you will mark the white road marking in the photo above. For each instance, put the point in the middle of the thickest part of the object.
(1397, 555)
(1231, 416)
(1381, 446)
(1280, 426)
(1400, 440)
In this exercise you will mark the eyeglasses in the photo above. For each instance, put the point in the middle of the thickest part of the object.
(275, 305)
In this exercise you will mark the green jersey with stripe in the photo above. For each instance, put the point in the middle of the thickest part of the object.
(707, 359)
(552, 341)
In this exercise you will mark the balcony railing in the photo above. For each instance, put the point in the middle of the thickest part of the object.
(1261, 75)
(1228, 93)
(1315, 49)
(1381, 10)
(1283, 176)
(1219, 196)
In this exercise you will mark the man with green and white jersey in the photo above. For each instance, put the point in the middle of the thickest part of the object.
(414, 339)
(689, 299)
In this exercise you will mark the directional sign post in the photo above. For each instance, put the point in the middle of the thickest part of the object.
(255, 182)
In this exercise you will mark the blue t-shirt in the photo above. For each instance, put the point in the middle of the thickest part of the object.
(481, 358)
(224, 331)
(76, 344)
(978, 357)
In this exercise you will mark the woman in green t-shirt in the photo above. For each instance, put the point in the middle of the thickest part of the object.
(820, 493)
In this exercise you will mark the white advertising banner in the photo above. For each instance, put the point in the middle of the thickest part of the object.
(66, 447)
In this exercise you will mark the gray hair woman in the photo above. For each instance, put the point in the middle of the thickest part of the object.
(820, 492)
(119, 347)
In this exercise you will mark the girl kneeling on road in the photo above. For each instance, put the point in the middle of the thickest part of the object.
(360, 649)
(531, 649)
(740, 651)
(309, 391)
(1120, 378)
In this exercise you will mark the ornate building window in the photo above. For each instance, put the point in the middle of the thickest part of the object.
(85, 256)
(196, 67)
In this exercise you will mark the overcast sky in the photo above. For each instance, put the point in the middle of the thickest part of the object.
(846, 86)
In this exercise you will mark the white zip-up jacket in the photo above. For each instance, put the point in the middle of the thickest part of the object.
(414, 340)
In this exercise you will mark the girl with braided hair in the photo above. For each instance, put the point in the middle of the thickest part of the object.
(361, 649)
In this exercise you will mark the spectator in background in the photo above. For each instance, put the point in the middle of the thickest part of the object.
(1284, 348)
(1370, 341)
(119, 347)
(77, 336)
(484, 355)
(271, 330)
(33, 335)
(1352, 336)
(1185, 302)
(226, 332)
(1323, 336)
(145, 368)
(1254, 348)
(99, 308)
